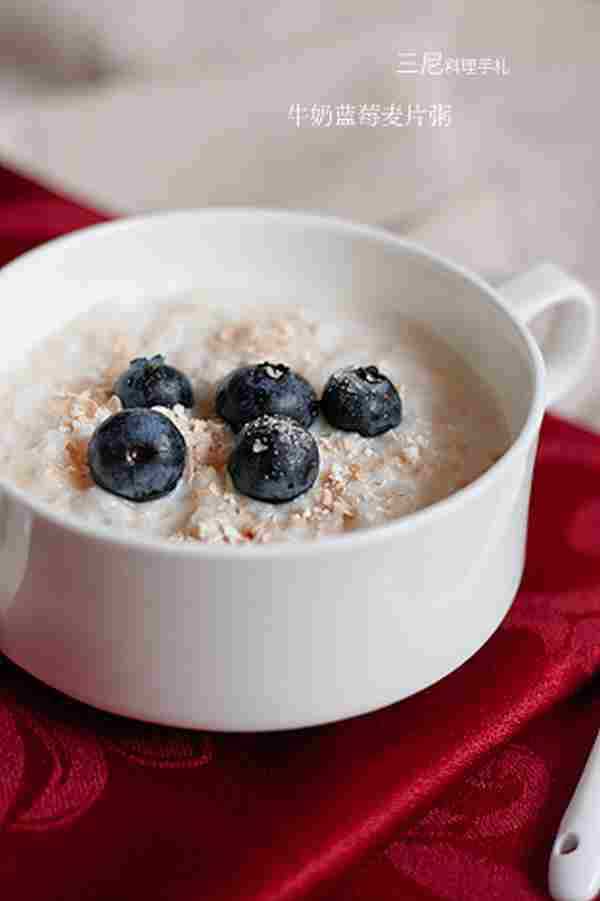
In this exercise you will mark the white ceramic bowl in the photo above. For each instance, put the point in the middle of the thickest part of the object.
(277, 636)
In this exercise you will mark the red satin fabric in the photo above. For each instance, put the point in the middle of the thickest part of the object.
(453, 794)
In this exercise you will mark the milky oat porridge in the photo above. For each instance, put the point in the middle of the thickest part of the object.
(451, 430)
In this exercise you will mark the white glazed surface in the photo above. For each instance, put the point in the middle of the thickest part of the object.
(280, 635)
(451, 432)
(574, 867)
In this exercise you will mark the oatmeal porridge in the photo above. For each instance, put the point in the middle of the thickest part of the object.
(428, 425)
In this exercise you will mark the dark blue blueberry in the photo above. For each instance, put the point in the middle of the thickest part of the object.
(151, 383)
(272, 388)
(361, 399)
(274, 459)
(137, 454)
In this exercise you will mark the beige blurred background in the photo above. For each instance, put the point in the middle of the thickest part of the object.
(143, 105)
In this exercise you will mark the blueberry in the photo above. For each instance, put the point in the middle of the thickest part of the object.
(151, 383)
(272, 388)
(361, 399)
(274, 459)
(137, 454)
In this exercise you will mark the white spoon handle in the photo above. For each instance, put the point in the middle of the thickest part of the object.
(574, 870)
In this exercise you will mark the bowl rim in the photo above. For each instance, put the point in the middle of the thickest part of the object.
(345, 542)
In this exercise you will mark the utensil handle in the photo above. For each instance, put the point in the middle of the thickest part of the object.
(569, 346)
(574, 870)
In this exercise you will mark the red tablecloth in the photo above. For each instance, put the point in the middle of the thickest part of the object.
(453, 794)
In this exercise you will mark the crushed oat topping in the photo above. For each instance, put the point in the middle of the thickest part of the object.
(76, 454)
(409, 454)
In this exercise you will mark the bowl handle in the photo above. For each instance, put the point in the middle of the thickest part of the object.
(568, 347)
